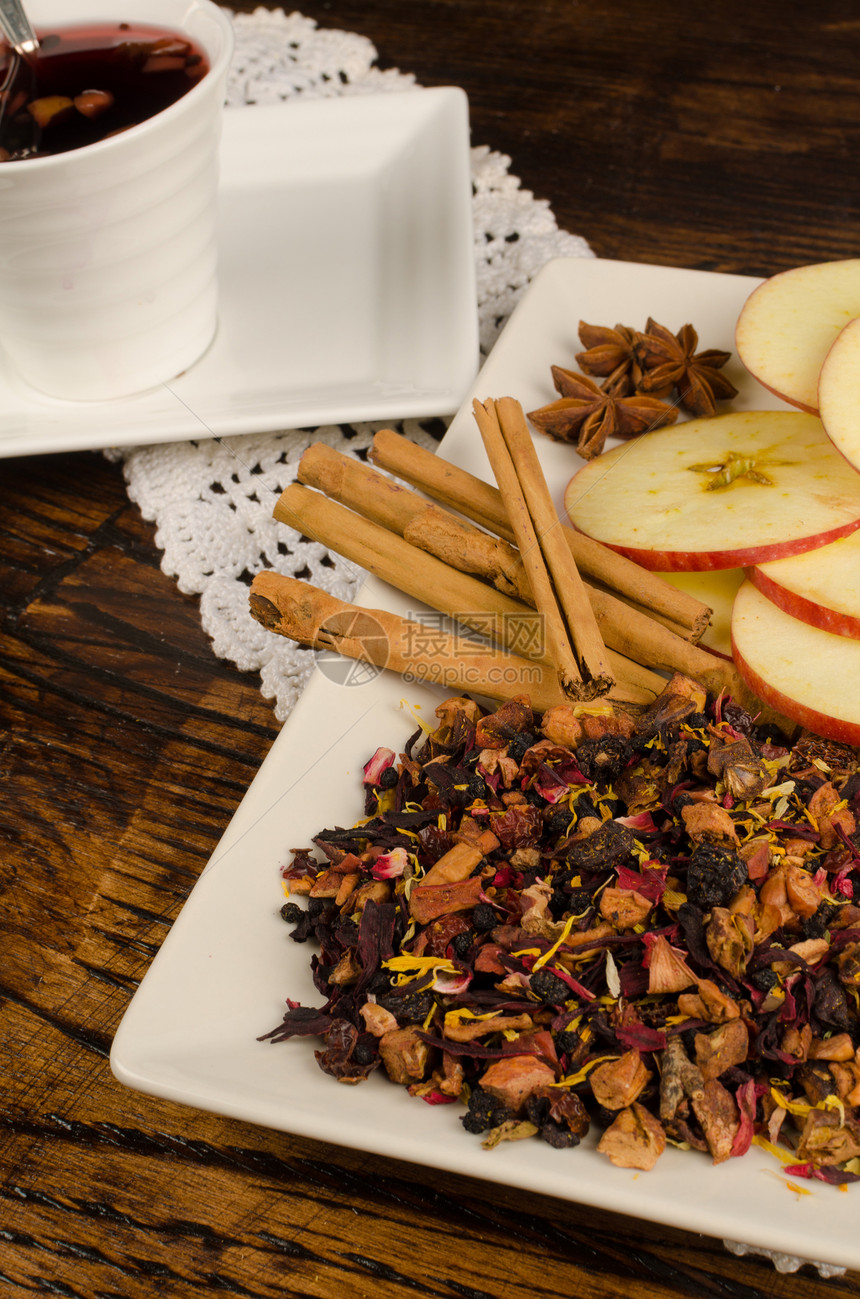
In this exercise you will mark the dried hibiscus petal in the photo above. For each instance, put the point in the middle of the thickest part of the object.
(374, 769)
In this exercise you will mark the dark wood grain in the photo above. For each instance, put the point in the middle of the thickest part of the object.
(722, 136)
(719, 136)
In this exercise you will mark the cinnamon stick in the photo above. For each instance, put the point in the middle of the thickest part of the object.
(630, 630)
(479, 501)
(579, 655)
(570, 590)
(638, 635)
(413, 571)
(389, 503)
(359, 486)
(454, 487)
(306, 614)
(425, 578)
(423, 524)
(676, 628)
(470, 550)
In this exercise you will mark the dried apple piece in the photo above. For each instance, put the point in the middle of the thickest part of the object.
(635, 1139)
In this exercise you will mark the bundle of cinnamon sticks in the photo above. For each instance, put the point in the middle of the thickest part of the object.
(495, 560)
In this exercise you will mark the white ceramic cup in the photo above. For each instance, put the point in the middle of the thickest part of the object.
(108, 253)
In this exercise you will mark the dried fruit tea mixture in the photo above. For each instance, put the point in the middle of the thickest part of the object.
(646, 923)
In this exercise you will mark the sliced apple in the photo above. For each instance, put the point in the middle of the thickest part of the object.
(821, 587)
(803, 672)
(788, 324)
(839, 392)
(717, 589)
(738, 489)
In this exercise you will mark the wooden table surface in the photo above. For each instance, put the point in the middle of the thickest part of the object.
(720, 136)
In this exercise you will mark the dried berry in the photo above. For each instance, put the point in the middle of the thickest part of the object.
(579, 900)
(461, 943)
(484, 917)
(519, 744)
(714, 875)
(558, 901)
(557, 1135)
(602, 849)
(484, 1112)
(476, 786)
(366, 1049)
(558, 824)
(537, 1109)
(413, 1008)
(549, 987)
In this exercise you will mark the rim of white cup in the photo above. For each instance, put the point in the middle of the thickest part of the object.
(216, 68)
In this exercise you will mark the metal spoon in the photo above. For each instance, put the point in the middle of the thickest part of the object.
(23, 43)
(15, 26)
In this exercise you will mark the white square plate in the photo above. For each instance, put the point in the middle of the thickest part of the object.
(346, 282)
(228, 963)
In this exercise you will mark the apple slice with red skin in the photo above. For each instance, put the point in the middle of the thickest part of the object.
(717, 589)
(839, 392)
(788, 324)
(821, 587)
(807, 674)
(726, 492)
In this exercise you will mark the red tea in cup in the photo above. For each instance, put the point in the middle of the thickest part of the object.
(87, 83)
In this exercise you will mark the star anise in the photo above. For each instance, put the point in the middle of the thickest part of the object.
(610, 356)
(670, 361)
(589, 415)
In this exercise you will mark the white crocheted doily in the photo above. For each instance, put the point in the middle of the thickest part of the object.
(212, 500)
